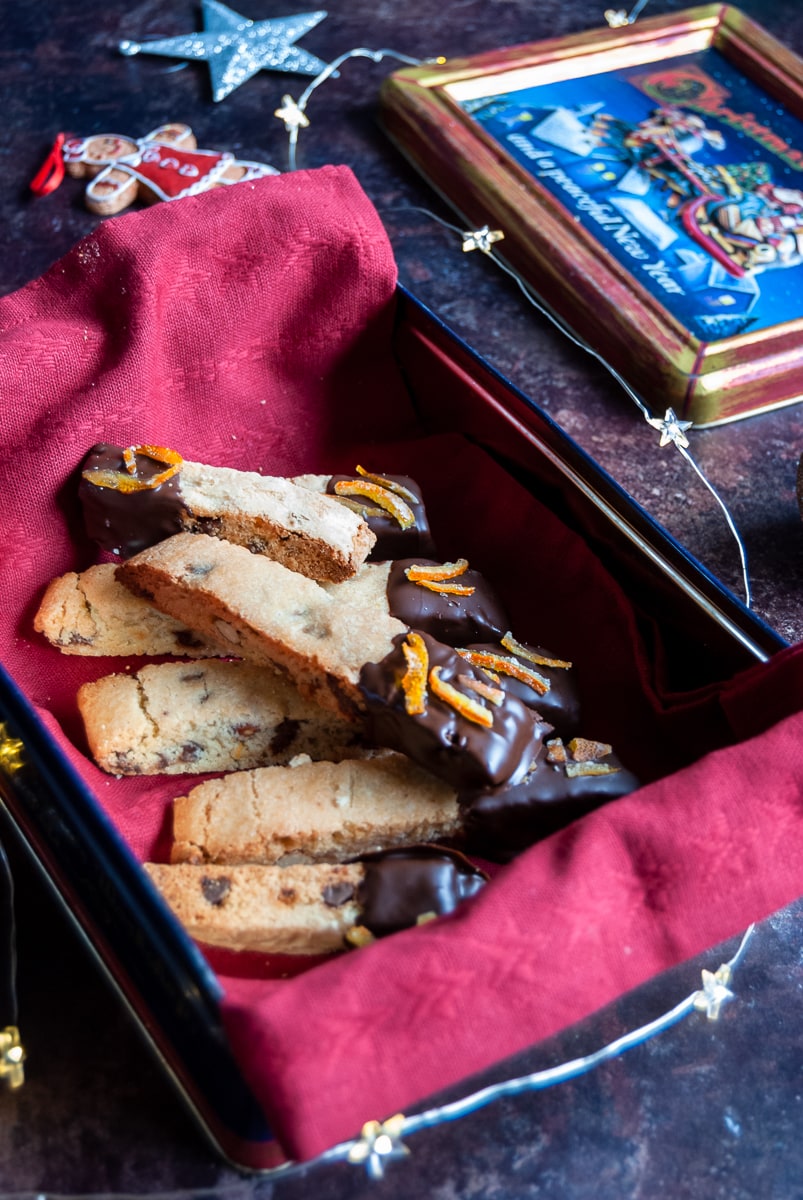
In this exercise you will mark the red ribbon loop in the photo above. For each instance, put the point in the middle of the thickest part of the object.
(51, 173)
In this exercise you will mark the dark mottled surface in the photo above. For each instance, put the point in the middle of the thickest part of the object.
(708, 1110)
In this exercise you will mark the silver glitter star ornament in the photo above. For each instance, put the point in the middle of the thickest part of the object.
(235, 48)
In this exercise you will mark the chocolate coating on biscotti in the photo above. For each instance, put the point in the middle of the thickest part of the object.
(501, 822)
(559, 704)
(307, 532)
(456, 749)
(126, 522)
(453, 619)
(400, 886)
(391, 540)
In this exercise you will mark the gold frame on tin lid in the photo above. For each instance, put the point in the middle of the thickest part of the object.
(648, 181)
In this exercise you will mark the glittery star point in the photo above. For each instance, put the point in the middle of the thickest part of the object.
(481, 239)
(380, 1141)
(235, 48)
(714, 992)
(671, 429)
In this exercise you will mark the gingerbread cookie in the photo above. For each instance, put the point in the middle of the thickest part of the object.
(166, 164)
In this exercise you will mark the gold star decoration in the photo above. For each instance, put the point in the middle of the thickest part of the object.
(714, 992)
(11, 748)
(671, 429)
(293, 116)
(481, 239)
(12, 1056)
(380, 1141)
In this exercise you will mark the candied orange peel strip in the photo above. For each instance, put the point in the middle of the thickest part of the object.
(510, 643)
(414, 683)
(575, 769)
(494, 694)
(584, 749)
(502, 665)
(393, 505)
(472, 710)
(392, 485)
(128, 480)
(448, 589)
(556, 751)
(364, 510)
(429, 572)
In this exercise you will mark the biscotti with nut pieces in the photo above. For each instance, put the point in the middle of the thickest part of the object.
(313, 812)
(262, 612)
(130, 502)
(206, 715)
(92, 613)
(306, 532)
(272, 910)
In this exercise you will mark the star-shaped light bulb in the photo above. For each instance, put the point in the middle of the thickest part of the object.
(481, 239)
(235, 48)
(671, 428)
(11, 751)
(714, 993)
(616, 17)
(12, 1057)
(293, 116)
(380, 1141)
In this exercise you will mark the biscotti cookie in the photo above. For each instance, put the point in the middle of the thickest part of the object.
(319, 908)
(91, 613)
(392, 505)
(312, 812)
(259, 610)
(274, 910)
(134, 497)
(207, 715)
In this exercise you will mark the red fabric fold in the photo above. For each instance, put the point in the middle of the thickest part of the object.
(252, 327)
(634, 888)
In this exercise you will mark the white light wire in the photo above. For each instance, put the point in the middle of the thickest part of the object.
(545, 311)
(359, 52)
(539, 1080)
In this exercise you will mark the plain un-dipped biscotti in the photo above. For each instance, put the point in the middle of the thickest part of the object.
(273, 910)
(136, 496)
(313, 812)
(206, 715)
(92, 613)
(259, 610)
(315, 908)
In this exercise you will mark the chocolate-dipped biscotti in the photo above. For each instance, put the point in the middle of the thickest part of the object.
(313, 812)
(136, 496)
(259, 610)
(315, 909)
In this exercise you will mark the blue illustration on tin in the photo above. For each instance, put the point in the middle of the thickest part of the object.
(686, 172)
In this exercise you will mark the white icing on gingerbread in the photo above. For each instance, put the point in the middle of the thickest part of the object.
(164, 165)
